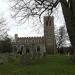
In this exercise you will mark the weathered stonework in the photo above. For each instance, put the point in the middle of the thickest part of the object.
(35, 45)
(49, 34)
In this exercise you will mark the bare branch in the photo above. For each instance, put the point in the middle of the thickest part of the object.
(26, 8)
(3, 28)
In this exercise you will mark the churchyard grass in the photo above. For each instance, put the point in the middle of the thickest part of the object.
(51, 65)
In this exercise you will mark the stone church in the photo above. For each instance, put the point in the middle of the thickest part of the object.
(45, 44)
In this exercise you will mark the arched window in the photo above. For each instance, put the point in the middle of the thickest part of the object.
(27, 50)
(48, 21)
(38, 49)
(22, 48)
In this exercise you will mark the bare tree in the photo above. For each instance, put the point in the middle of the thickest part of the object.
(3, 28)
(26, 8)
(68, 8)
(63, 37)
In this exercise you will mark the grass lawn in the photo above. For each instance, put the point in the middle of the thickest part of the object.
(52, 65)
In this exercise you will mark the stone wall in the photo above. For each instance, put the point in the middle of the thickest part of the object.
(49, 34)
(46, 43)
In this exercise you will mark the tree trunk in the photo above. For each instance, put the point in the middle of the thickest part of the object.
(72, 8)
(69, 24)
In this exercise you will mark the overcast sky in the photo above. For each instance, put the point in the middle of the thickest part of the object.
(27, 29)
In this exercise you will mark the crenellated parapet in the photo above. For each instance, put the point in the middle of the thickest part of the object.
(40, 44)
(30, 39)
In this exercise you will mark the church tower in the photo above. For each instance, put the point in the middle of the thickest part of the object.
(49, 34)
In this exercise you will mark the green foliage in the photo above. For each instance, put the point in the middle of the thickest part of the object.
(14, 59)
